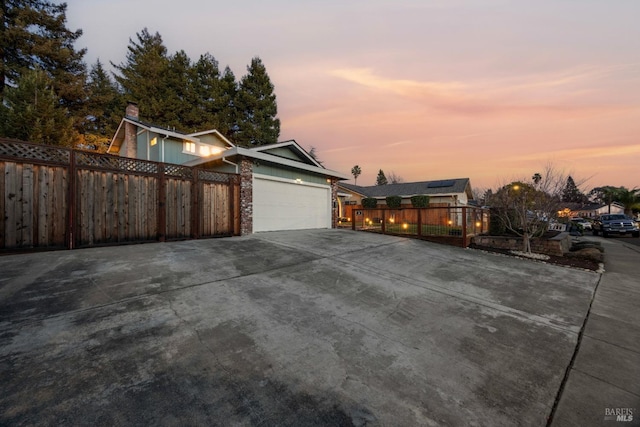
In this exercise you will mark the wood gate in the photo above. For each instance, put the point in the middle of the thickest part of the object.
(54, 197)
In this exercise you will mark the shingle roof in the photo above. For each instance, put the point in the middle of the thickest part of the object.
(407, 189)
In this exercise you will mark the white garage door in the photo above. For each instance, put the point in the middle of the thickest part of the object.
(280, 204)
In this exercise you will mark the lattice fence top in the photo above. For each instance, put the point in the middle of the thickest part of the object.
(115, 163)
(43, 153)
(12, 149)
(178, 171)
(213, 176)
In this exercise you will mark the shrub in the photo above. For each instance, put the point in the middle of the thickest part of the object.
(369, 202)
(420, 201)
(394, 202)
(497, 226)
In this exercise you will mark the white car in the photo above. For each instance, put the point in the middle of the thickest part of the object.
(586, 225)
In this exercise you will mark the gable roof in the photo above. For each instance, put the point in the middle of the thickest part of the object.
(291, 145)
(298, 158)
(118, 138)
(262, 153)
(408, 189)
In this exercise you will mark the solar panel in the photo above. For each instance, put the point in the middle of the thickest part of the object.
(441, 184)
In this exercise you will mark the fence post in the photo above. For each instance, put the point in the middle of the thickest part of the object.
(353, 219)
(384, 221)
(464, 227)
(419, 222)
(232, 207)
(162, 204)
(195, 203)
(71, 200)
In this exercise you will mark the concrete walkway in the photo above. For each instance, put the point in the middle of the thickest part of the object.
(604, 379)
(307, 328)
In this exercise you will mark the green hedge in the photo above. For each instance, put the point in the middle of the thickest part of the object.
(420, 201)
(369, 202)
(394, 202)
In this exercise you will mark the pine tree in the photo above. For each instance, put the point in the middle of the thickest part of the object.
(33, 33)
(228, 112)
(257, 108)
(143, 78)
(571, 193)
(381, 179)
(103, 109)
(207, 93)
(33, 112)
(180, 100)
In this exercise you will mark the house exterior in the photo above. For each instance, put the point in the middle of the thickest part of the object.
(590, 210)
(448, 192)
(282, 187)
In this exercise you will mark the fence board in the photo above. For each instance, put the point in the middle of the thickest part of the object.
(101, 235)
(3, 222)
(222, 221)
(26, 238)
(179, 210)
(121, 206)
(132, 205)
(10, 195)
(61, 177)
(45, 205)
(205, 206)
(187, 203)
(152, 217)
(111, 223)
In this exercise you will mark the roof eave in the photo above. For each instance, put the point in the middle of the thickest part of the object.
(258, 155)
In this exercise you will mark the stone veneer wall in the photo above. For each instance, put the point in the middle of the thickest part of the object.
(334, 203)
(246, 197)
(557, 246)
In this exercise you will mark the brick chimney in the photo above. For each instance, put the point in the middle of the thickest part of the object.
(130, 140)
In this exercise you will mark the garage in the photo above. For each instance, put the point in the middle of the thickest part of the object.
(284, 204)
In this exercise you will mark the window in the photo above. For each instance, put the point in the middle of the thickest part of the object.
(153, 141)
(204, 150)
(190, 147)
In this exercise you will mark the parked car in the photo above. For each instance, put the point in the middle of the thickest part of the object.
(615, 224)
(586, 225)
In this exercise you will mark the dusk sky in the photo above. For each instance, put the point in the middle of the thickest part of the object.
(491, 90)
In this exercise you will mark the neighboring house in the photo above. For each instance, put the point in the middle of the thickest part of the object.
(282, 187)
(590, 210)
(448, 192)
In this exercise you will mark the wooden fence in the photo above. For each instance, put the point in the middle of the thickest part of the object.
(449, 225)
(53, 197)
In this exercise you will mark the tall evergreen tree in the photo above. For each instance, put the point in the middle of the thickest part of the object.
(32, 112)
(180, 99)
(257, 108)
(33, 33)
(381, 179)
(103, 109)
(228, 113)
(571, 193)
(207, 91)
(143, 78)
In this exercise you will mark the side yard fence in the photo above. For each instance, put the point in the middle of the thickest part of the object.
(54, 197)
(449, 225)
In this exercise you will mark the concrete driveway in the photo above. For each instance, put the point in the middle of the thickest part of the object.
(304, 328)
